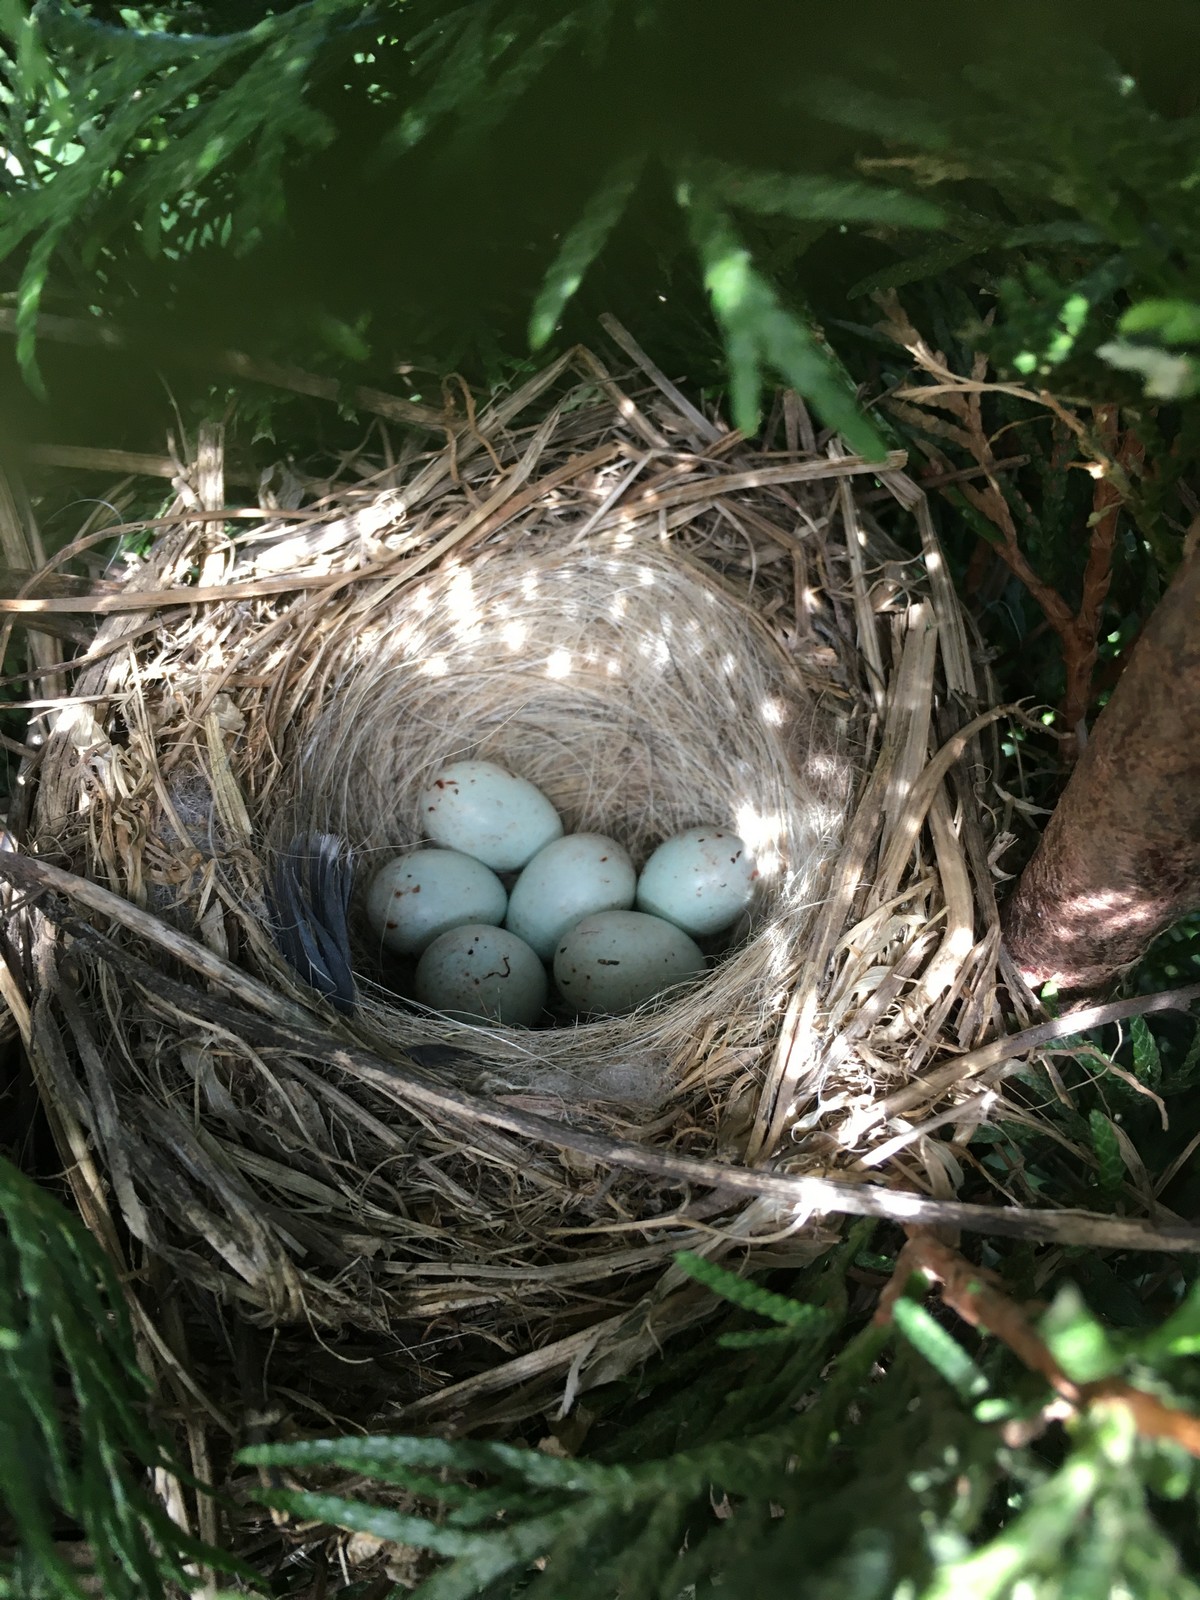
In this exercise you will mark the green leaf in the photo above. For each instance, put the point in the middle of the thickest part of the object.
(760, 333)
(890, 116)
(1179, 1335)
(1076, 1339)
(931, 263)
(1188, 1070)
(940, 1349)
(755, 1338)
(581, 246)
(750, 1296)
(818, 199)
(1111, 1166)
(1172, 321)
(73, 1442)
(382, 1522)
(1061, 231)
(479, 1557)
(1147, 1062)
(1165, 374)
(388, 1458)
(489, 60)
(1033, 1542)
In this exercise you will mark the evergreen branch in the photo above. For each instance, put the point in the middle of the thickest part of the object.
(760, 333)
(789, 1313)
(489, 59)
(898, 119)
(1179, 1335)
(63, 1317)
(1109, 1165)
(480, 115)
(630, 1515)
(1147, 1060)
(755, 1338)
(388, 1458)
(120, 83)
(942, 1351)
(1034, 1539)
(581, 245)
(64, 28)
(816, 198)
(977, 1298)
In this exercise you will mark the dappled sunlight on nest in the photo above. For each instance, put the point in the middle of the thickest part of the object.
(659, 626)
(615, 708)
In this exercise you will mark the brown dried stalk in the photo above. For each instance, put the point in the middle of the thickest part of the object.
(1112, 460)
(976, 1296)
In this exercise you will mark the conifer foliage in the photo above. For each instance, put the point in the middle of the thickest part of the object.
(542, 141)
(76, 1444)
(808, 1454)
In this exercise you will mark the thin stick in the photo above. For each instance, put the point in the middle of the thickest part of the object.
(616, 331)
(35, 876)
(180, 594)
(1014, 1045)
(83, 458)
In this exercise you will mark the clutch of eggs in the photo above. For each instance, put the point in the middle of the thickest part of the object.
(482, 948)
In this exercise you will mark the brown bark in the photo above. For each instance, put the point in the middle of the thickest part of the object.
(1120, 859)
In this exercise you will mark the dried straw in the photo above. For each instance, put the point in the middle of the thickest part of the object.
(612, 594)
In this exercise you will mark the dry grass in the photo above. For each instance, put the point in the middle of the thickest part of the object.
(610, 593)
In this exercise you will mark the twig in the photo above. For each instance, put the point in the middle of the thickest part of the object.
(708, 431)
(1113, 458)
(940, 480)
(978, 1299)
(1015, 1045)
(84, 458)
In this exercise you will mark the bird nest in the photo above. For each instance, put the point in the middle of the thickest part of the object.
(611, 594)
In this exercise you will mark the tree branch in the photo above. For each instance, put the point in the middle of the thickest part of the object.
(976, 1296)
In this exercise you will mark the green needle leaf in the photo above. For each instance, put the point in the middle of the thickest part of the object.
(581, 246)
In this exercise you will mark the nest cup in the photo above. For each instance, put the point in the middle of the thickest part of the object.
(642, 697)
(611, 595)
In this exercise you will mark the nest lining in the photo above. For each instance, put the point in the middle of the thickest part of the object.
(658, 626)
(641, 697)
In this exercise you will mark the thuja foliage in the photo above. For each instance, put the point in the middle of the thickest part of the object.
(76, 1449)
(805, 1454)
(398, 168)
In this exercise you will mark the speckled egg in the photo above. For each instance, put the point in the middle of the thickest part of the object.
(565, 882)
(482, 974)
(486, 812)
(417, 897)
(613, 961)
(701, 880)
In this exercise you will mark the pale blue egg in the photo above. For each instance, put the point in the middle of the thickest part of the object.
(417, 897)
(701, 880)
(482, 974)
(613, 961)
(566, 881)
(486, 812)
